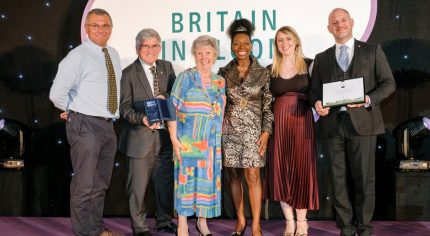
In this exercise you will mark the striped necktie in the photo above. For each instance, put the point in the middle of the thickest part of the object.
(156, 81)
(112, 103)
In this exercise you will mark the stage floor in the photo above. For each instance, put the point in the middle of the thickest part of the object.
(58, 226)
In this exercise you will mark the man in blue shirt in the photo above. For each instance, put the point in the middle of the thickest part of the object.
(86, 88)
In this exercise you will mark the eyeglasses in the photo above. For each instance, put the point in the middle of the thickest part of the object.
(96, 27)
(146, 46)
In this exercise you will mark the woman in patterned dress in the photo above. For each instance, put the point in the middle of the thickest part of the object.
(247, 124)
(198, 95)
(291, 169)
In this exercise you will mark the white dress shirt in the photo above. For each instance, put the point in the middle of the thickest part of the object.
(148, 73)
(350, 51)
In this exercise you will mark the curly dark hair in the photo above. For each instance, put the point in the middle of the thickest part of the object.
(243, 26)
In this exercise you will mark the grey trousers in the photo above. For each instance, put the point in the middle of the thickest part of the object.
(92, 150)
(156, 166)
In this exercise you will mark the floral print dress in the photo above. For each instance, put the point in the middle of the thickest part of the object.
(200, 111)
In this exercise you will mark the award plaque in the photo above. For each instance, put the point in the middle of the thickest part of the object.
(158, 109)
(341, 93)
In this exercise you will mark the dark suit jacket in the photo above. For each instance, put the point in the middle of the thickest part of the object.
(134, 89)
(369, 62)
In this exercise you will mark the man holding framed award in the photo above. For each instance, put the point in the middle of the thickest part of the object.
(349, 81)
(145, 85)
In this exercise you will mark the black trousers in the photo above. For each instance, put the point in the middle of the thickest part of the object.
(156, 166)
(351, 159)
(92, 150)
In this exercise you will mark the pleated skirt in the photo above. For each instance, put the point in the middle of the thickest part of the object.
(291, 164)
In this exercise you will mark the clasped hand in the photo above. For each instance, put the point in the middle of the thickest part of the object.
(323, 111)
(153, 126)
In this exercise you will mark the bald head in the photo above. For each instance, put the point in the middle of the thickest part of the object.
(336, 10)
(340, 25)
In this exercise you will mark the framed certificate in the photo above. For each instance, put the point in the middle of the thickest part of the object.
(344, 92)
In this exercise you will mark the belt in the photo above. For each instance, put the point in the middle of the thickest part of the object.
(97, 117)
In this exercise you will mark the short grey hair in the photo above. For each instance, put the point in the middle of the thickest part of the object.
(99, 12)
(146, 34)
(205, 40)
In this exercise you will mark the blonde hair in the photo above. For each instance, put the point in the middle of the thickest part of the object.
(301, 66)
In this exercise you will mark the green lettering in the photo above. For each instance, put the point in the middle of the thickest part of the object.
(209, 21)
(177, 25)
(271, 46)
(271, 22)
(260, 48)
(180, 51)
(238, 15)
(163, 50)
(195, 21)
(219, 56)
(222, 14)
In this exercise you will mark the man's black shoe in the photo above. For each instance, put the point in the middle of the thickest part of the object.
(144, 233)
(170, 228)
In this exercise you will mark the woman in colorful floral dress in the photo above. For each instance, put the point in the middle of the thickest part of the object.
(199, 97)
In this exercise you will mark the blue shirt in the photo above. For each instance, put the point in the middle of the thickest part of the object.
(81, 83)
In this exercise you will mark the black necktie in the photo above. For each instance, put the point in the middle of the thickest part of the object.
(112, 103)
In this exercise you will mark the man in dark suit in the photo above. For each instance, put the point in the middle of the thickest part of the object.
(147, 146)
(348, 133)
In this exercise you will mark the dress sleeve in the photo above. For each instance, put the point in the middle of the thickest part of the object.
(267, 103)
(179, 89)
